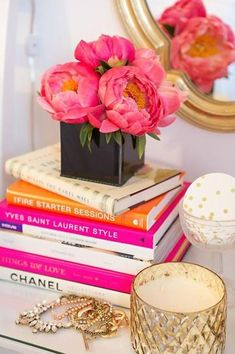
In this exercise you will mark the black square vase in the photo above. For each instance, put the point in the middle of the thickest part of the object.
(106, 163)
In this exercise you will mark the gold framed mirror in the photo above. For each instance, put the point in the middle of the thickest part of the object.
(199, 109)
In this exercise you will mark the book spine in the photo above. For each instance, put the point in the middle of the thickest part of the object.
(28, 166)
(80, 240)
(64, 286)
(87, 256)
(62, 269)
(180, 249)
(42, 168)
(26, 216)
(67, 207)
(52, 274)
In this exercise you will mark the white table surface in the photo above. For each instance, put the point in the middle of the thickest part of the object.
(15, 299)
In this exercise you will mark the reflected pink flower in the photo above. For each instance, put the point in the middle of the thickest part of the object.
(69, 91)
(204, 50)
(177, 15)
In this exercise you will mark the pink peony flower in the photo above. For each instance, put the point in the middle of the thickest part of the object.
(114, 51)
(69, 91)
(204, 50)
(148, 62)
(178, 15)
(133, 103)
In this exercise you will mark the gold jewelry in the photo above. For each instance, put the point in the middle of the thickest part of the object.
(90, 316)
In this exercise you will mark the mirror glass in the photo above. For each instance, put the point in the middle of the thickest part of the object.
(202, 36)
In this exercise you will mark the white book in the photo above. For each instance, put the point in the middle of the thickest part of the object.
(42, 168)
(87, 255)
(63, 286)
(143, 253)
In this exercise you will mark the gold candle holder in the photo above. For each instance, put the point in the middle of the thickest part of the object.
(157, 330)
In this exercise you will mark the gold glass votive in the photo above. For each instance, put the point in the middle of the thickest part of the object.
(178, 308)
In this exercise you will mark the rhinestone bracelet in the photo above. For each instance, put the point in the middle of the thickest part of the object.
(90, 316)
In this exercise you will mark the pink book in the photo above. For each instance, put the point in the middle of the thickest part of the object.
(15, 218)
(76, 272)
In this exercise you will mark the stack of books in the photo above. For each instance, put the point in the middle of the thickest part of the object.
(71, 235)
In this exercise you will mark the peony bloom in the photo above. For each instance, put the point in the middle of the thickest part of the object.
(114, 51)
(204, 50)
(69, 91)
(133, 103)
(177, 16)
(148, 62)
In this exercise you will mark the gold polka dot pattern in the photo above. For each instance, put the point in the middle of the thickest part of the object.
(211, 197)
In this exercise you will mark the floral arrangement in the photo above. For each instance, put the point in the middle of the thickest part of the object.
(203, 46)
(112, 87)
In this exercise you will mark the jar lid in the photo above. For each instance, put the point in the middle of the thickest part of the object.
(211, 197)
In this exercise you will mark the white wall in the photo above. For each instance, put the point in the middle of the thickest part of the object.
(4, 10)
(15, 87)
(60, 24)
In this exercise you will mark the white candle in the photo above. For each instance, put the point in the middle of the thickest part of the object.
(178, 294)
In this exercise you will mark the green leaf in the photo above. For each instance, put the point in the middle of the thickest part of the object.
(89, 145)
(108, 137)
(133, 137)
(83, 134)
(154, 136)
(105, 65)
(118, 137)
(140, 145)
(86, 134)
(99, 69)
(170, 29)
(89, 134)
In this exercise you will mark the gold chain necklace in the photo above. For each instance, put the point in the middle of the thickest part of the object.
(91, 317)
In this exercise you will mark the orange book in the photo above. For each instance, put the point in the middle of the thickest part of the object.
(142, 217)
